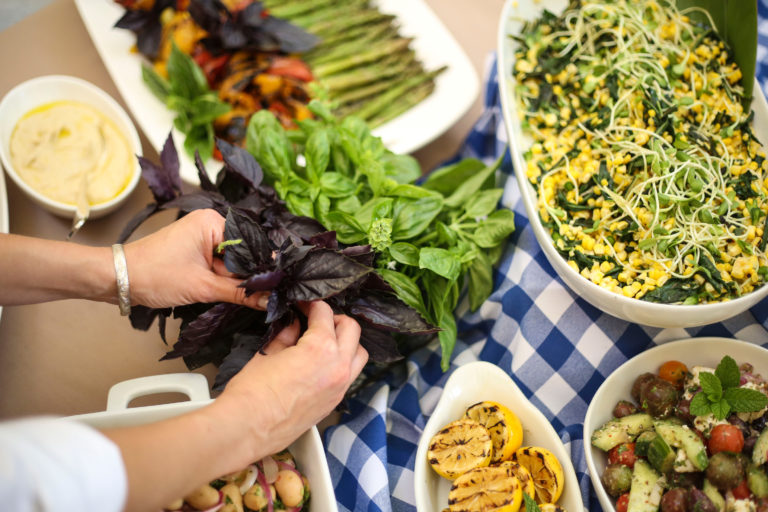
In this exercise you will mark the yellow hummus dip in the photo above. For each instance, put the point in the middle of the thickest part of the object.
(56, 146)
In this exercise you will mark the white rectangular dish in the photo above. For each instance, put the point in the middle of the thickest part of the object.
(455, 89)
(307, 449)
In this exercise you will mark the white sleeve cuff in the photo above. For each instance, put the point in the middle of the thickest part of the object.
(58, 464)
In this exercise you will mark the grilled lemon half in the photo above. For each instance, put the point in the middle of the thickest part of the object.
(459, 447)
(523, 476)
(504, 427)
(545, 469)
(483, 489)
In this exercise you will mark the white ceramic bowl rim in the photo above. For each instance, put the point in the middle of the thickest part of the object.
(132, 136)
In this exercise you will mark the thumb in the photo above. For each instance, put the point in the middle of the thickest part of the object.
(226, 289)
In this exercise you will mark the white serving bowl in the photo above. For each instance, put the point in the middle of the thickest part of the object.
(472, 383)
(632, 310)
(307, 450)
(47, 89)
(691, 352)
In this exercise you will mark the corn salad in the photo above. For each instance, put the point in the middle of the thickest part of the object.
(648, 175)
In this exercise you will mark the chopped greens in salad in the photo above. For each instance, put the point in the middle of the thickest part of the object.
(648, 174)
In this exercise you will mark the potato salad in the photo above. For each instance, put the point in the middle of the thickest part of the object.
(649, 176)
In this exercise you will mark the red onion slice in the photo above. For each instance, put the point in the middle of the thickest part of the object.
(267, 493)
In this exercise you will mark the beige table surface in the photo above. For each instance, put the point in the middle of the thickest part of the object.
(62, 358)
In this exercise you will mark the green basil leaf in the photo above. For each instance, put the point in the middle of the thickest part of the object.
(440, 261)
(711, 385)
(728, 372)
(185, 76)
(405, 253)
(379, 205)
(401, 168)
(322, 207)
(337, 185)
(447, 179)
(349, 204)
(447, 338)
(200, 138)
(275, 156)
(206, 108)
(411, 192)
(412, 216)
(406, 288)
(445, 235)
(348, 230)
(318, 155)
(158, 85)
(745, 399)
(296, 185)
(321, 110)
(472, 185)
(495, 229)
(436, 289)
(483, 203)
(299, 205)
(480, 280)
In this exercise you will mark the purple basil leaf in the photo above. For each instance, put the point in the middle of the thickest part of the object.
(148, 39)
(262, 282)
(280, 323)
(207, 13)
(360, 253)
(169, 159)
(136, 221)
(159, 182)
(134, 19)
(291, 254)
(241, 162)
(254, 252)
(199, 201)
(142, 317)
(292, 38)
(277, 307)
(213, 353)
(253, 15)
(244, 347)
(374, 281)
(381, 346)
(189, 312)
(200, 331)
(205, 180)
(387, 312)
(322, 274)
(325, 240)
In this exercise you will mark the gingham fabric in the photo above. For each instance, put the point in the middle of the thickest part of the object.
(557, 348)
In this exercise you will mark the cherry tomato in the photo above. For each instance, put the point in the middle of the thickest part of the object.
(726, 438)
(622, 503)
(291, 67)
(741, 491)
(623, 454)
(674, 372)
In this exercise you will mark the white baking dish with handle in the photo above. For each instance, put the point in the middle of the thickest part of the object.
(307, 449)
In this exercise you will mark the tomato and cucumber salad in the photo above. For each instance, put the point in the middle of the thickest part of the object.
(689, 439)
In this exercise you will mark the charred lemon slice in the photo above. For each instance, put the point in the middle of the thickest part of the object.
(551, 507)
(459, 447)
(483, 489)
(523, 476)
(545, 469)
(504, 427)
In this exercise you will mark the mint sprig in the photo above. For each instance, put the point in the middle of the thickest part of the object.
(720, 393)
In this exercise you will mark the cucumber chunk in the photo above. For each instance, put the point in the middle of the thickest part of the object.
(760, 451)
(713, 494)
(643, 441)
(757, 481)
(647, 488)
(680, 436)
(660, 455)
(621, 430)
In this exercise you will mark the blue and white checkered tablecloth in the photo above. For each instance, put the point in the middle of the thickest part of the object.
(557, 348)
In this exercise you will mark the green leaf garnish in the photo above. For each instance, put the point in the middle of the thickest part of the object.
(223, 245)
(530, 505)
(721, 395)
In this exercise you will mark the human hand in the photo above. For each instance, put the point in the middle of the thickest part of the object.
(175, 266)
(299, 381)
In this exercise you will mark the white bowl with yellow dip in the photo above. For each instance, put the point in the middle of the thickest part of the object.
(59, 136)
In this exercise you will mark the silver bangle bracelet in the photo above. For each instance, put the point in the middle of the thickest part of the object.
(121, 274)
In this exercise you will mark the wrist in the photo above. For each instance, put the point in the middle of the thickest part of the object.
(242, 430)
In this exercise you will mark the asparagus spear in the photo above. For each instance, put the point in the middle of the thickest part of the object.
(379, 33)
(328, 43)
(378, 51)
(338, 10)
(361, 93)
(378, 104)
(292, 9)
(336, 26)
(372, 73)
(405, 103)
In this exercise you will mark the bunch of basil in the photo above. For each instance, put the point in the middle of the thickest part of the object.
(431, 239)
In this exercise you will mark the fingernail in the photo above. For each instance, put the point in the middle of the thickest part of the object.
(262, 301)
